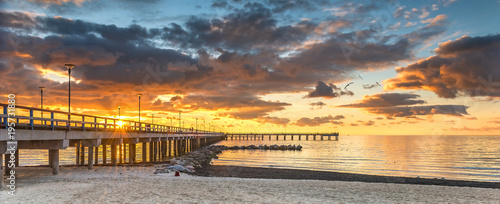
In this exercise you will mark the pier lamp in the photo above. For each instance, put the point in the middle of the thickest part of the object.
(119, 115)
(196, 124)
(70, 67)
(139, 111)
(41, 97)
(179, 120)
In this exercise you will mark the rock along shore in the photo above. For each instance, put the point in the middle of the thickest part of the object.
(196, 159)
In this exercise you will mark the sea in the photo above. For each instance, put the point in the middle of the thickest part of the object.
(473, 158)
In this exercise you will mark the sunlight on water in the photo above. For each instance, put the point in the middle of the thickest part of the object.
(451, 157)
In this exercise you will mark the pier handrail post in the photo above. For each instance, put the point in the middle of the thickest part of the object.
(95, 123)
(31, 119)
(105, 124)
(52, 120)
(83, 123)
(5, 118)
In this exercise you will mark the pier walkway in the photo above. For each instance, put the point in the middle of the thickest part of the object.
(284, 136)
(33, 128)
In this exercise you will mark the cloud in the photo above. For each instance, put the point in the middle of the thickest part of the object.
(318, 104)
(403, 105)
(327, 91)
(435, 7)
(466, 66)
(439, 19)
(317, 121)
(425, 13)
(386, 100)
(58, 2)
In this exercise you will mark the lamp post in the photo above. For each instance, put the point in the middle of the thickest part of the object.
(119, 115)
(196, 124)
(179, 121)
(41, 97)
(70, 67)
(139, 111)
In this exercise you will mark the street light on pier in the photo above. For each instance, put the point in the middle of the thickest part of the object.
(70, 67)
(139, 111)
(41, 98)
(119, 115)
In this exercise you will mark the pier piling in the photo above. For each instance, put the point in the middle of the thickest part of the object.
(55, 161)
(113, 155)
(91, 157)
(1, 171)
(104, 156)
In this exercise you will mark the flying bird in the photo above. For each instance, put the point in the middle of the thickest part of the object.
(360, 76)
(348, 85)
(378, 84)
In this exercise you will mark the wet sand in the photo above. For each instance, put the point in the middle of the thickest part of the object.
(138, 184)
(274, 173)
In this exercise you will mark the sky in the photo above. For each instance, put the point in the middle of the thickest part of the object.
(357, 67)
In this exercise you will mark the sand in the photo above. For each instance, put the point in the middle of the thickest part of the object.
(139, 185)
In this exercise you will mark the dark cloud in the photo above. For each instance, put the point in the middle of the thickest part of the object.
(386, 100)
(398, 105)
(249, 28)
(327, 91)
(468, 65)
(317, 121)
(273, 120)
(318, 104)
(17, 20)
(454, 110)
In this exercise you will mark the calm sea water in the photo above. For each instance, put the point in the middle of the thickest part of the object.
(452, 157)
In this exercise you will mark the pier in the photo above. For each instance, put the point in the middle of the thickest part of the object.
(91, 134)
(283, 136)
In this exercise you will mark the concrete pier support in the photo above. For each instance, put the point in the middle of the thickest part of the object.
(144, 150)
(124, 153)
(155, 149)
(77, 146)
(134, 153)
(96, 160)
(130, 154)
(113, 155)
(1, 171)
(104, 154)
(120, 152)
(151, 151)
(82, 155)
(50, 160)
(91, 157)
(169, 148)
(7, 169)
(55, 161)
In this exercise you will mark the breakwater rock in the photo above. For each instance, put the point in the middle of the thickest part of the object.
(192, 160)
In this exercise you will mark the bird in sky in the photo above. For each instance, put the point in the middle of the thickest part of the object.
(378, 84)
(348, 85)
(360, 76)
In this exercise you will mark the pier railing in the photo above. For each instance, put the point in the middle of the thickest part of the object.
(44, 119)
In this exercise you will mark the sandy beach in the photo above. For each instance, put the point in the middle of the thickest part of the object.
(138, 184)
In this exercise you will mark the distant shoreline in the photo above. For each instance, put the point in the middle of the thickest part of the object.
(296, 174)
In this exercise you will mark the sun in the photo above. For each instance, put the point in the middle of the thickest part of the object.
(120, 123)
